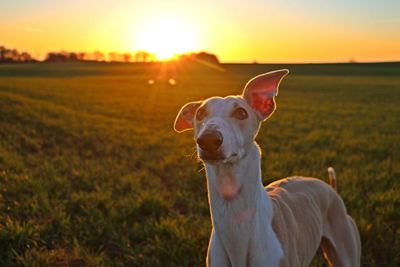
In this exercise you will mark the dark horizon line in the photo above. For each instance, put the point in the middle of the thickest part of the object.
(254, 61)
(312, 62)
(229, 62)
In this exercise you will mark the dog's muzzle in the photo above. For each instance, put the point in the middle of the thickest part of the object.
(210, 143)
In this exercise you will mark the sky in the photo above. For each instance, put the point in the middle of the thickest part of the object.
(236, 31)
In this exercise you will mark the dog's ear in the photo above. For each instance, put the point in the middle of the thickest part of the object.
(184, 120)
(260, 91)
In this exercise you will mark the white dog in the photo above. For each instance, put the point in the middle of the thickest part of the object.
(280, 225)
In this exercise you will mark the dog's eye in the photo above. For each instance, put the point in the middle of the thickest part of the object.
(201, 114)
(240, 114)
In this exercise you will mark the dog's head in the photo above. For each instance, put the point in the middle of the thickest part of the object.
(225, 128)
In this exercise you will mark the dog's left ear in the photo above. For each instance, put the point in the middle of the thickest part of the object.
(184, 119)
(260, 91)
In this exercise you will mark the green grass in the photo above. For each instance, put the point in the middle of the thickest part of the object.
(92, 173)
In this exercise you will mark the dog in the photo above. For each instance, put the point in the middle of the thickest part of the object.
(280, 225)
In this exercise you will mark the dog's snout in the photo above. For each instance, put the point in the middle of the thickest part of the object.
(210, 141)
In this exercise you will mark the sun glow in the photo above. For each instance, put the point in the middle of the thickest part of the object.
(167, 37)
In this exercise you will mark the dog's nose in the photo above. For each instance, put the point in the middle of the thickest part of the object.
(210, 141)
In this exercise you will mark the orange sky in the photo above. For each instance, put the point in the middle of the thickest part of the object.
(237, 31)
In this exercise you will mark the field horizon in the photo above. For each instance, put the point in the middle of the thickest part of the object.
(92, 173)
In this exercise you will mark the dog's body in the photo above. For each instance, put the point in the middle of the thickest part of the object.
(307, 214)
(281, 225)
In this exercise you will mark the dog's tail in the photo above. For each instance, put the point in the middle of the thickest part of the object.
(332, 178)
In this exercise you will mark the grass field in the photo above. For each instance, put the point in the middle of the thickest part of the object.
(92, 173)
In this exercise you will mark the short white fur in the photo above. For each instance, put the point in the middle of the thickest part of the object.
(241, 211)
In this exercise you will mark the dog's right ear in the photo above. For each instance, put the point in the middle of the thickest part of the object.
(184, 120)
(260, 92)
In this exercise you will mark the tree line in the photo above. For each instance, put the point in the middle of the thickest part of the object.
(64, 56)
(14, 56)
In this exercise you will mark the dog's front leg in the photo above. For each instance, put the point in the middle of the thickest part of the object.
(216, 255)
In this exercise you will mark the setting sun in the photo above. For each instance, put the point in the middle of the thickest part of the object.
(166, 37)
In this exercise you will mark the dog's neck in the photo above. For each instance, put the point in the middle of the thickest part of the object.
(241, 210)
(237, 185)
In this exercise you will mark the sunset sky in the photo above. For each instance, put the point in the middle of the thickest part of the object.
(237, 31)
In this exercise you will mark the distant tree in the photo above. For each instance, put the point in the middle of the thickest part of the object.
(65, 56)
(127, 57)
(12, 55)
(144, 56)
(98, 56)
(186, 57)
(2, 51)
(140, 56)
(112, 56)
(25, 57)
(56, 57)
(6, 55)
(72, 56)
(204, 56)
(201, 56)
(81, 56)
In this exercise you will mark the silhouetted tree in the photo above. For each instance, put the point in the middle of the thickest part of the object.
(56, 57)
(64, 56)
(81, 56)
(73, 56)
(12, 55)
(202, 56)
(127, 57)
(2, 51)
(25, 57)
(144, 56)
(112, 56)
(98, 56)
